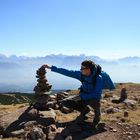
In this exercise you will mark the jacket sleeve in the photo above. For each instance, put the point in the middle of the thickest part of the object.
(98, 88)
(69, 73)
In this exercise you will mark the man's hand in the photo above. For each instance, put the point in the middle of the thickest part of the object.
(46, 66)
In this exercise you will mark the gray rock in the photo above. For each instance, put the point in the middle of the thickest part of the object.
(66, 93)
(17, 133)
(29, 124)
(125, 113)
(60, 129)
(1, 136)
(51, 105)
(130, 137)
(123, 120)
(42, 98)
(49, 114)
(111, 109)
(138, 125)
(130, 103)
(51, 135)
(114, 130)
(108, 95)
(49, 117)
(35, 134)
(56, 107)
(123, 94)
(66, 110)
(50, 128)
(33, 113)
(60, 96)
(10, 118)
(68, 138)
(52, 97)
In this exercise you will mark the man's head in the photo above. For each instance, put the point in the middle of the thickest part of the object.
(87, 67)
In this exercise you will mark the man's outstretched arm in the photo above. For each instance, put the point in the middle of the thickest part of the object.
(69, 73)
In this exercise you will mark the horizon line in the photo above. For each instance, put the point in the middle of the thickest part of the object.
(57, 54)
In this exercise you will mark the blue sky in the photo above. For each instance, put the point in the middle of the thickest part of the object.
(105, 28)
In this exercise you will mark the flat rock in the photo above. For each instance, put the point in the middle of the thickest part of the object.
(66, 110)
(18, 133)
(33, 114)
(130, 103)
(49, 117)
(12, 120)
(111, 109)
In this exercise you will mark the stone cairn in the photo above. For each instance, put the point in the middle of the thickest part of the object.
(42, 90)
(123, 95)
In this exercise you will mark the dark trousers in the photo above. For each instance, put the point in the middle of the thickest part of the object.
(82, 107)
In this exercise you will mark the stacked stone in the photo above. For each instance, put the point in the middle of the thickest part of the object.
(42, 88)
(123, 95)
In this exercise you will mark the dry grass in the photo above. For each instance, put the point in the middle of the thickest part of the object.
(61, 117)
(4, 109)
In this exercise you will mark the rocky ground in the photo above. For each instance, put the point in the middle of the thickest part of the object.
(120, 117)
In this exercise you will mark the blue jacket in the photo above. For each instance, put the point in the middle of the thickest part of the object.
(89, 91)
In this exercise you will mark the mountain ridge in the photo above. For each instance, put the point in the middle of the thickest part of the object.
(18, 72)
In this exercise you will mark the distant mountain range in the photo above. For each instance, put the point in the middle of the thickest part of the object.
(17, 73)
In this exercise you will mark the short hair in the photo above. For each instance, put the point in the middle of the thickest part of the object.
(89, 64)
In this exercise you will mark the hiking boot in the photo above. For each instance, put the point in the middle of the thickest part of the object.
(101, 126)
(94, 128)
(94, 125)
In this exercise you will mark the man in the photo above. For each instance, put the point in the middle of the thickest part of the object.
(90, 90)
